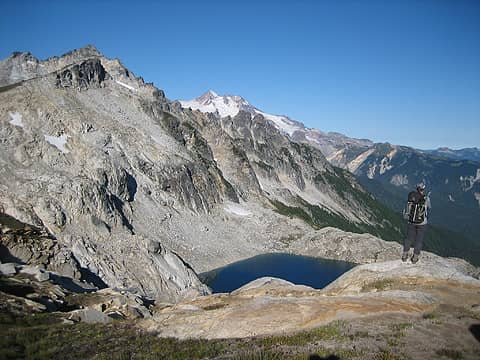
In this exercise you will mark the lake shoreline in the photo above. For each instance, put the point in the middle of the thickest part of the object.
(310, 271)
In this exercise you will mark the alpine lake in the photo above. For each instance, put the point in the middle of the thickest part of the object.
(300, 270)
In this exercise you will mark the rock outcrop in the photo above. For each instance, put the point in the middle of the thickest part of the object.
(26, 289)
(82, 76)
(331, 243)
(270, 306)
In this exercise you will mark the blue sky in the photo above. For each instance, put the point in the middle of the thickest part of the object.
(406, 72)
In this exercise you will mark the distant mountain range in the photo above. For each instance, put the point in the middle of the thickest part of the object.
(460, 154)
(332, 144)
(387, 171)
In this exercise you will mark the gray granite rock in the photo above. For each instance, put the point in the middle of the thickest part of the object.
(38, 273)
(8, 269)
(90, 316)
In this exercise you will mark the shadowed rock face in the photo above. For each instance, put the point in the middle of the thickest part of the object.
(23, 65)
(31, 289)
(81, 76)
(27, 244)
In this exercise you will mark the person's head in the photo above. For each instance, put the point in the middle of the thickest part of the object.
(421, 188)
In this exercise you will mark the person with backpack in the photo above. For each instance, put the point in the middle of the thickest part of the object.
(416, 212)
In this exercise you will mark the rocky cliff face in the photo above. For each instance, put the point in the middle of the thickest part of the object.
(264, 164)
(79, 151)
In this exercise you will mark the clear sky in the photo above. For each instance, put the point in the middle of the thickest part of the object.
(406, 72)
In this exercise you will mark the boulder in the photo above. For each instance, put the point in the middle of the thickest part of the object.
(90, 316)
(372, 276)
(37, 273)
(8, 269)
(271, 282)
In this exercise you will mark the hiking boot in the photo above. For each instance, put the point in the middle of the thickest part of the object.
(405, 256)
(414, 258)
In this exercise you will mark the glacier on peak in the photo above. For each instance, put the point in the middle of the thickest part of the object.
(231, 105)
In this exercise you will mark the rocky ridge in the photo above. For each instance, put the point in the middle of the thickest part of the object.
(27, 290)
(456, 154)
(230, 105)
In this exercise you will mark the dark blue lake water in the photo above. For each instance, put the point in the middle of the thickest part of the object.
(297, 269)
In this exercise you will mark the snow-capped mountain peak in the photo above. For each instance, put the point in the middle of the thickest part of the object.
(207, 97)
(230, 105)
(329, 143)
(212, 93)
(223, 106)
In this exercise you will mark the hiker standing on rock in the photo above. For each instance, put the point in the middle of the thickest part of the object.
(416, 212)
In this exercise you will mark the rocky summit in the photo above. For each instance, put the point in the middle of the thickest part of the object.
(113, 198)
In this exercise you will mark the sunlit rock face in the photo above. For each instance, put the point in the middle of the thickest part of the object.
(269, 306)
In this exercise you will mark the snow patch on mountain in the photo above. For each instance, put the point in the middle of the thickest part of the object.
(236, 210)
(385, 166)
(125, 85)
(372, 170)
(385, 163)
(16, 119)
(58, 141)
(211, 102)
(281, 122)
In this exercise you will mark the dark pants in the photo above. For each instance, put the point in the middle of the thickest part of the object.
(415, 234)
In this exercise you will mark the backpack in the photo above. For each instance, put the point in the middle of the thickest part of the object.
(415, 210)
